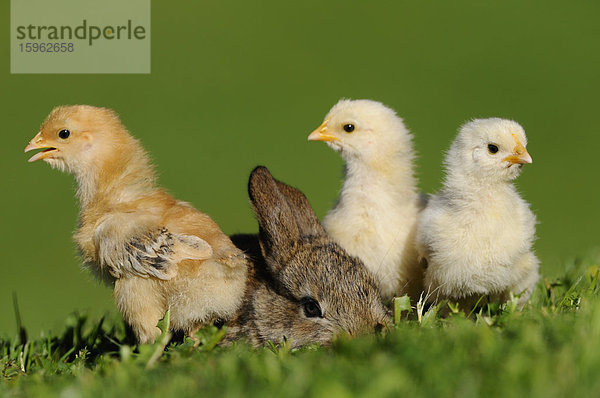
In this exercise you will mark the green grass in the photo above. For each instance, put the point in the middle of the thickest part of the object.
(550, 349)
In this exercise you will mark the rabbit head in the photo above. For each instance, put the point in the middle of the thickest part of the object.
(304, 287)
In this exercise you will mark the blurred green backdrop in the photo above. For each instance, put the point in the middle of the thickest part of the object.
(235, 84)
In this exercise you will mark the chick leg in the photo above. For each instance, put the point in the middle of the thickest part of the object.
(191, 333)
(142, 305)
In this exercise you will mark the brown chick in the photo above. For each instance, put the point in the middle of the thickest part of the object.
(158, 253)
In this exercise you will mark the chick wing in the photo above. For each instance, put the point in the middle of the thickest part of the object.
(152, 253)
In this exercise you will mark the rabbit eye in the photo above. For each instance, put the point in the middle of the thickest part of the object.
(311, 308)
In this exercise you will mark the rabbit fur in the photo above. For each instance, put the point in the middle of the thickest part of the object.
(302, 286)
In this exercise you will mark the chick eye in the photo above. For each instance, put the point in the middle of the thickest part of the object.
(348, 128)
(311, 308)
(64, 134)
(492, 148)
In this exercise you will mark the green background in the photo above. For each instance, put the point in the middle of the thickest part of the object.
(237, 84)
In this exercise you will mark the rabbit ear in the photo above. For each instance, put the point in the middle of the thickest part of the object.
(306, 219)
(277, 226)
(284, 214)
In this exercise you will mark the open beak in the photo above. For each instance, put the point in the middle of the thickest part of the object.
(520, 154)
(37, 142)
(320, 134)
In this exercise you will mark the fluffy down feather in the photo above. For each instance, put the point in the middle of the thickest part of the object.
(376, 213)
(476, 234)
(157, 252)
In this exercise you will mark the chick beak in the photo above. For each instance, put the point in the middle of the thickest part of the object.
(320, 134)
(37, 142)
(519, 156)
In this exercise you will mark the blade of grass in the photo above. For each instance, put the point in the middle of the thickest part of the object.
(20, 328)
(162, 341)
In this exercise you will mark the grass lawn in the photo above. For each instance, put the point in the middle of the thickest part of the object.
(550, 349)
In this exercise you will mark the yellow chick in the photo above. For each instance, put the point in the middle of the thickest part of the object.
(157, 252)
(376, 213)
(476, 234)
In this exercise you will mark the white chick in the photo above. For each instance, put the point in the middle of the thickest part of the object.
(476, 234)
(376, 213)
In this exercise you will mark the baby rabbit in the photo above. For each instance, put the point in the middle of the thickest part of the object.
(302, 286)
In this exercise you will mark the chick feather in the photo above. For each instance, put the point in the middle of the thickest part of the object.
(157, 252)
(476, 235)
(376, 213)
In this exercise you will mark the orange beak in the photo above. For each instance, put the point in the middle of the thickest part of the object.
(520, 154)
(37, 142)
(320, 133)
